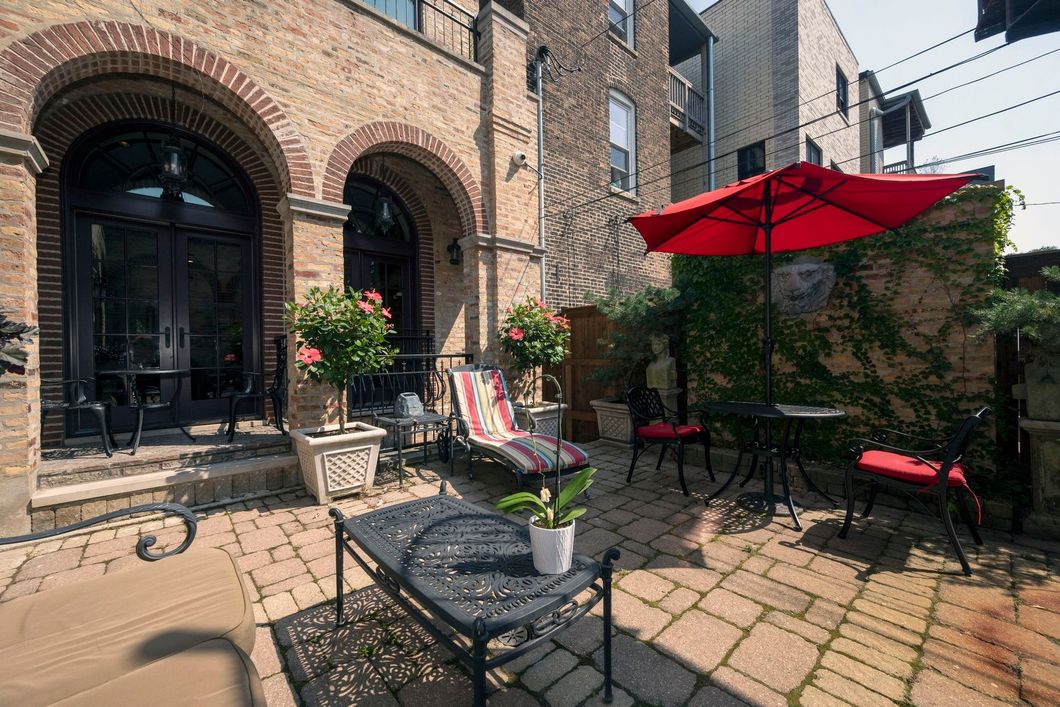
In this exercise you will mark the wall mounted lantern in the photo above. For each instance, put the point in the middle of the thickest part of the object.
(456, 253)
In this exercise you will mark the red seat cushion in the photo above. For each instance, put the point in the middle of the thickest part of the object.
(907, 469)
(664, 430)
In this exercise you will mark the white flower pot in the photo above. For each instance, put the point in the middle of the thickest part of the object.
(545, 418)
(552, 549)
(335, 464)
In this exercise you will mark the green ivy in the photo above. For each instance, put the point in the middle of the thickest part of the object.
(899, 377)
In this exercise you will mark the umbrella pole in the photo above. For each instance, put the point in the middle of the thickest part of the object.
(767, 343)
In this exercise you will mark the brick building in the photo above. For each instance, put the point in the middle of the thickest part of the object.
(172, 173)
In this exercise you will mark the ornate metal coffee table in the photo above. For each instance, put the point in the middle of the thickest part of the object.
(472, 570)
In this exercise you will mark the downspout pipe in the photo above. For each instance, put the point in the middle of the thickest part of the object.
(711, 166)
(539, 63)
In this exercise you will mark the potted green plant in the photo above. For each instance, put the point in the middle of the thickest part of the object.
(551, 521)
(638, 320)
(1035, 315)
(340, 335)
(13, 338)
(534, 335)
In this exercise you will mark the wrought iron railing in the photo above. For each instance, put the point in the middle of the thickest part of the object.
(422, 374)
(687, 106)
(444, 23)
(898, 168)
(410, 341)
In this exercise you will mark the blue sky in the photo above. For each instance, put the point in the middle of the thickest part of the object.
(883, 32)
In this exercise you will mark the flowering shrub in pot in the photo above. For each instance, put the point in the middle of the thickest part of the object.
(534, 335)
(340, 335)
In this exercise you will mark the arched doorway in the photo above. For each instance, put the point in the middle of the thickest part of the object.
(160, 267)
(380, 251)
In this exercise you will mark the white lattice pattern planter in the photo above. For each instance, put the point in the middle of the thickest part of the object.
(545, 418)
(335, 464)
(612, 419)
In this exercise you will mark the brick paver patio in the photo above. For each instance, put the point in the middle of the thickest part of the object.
(713, 606)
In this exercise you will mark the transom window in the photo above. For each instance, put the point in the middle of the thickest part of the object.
(375, 212)
(623, 119)
(620, 19)
(842, 97)
(813, 153)
(751, 160)
(130, 163)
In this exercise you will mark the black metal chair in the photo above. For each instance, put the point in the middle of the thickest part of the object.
(73, 395)
(654, 423)
(933, 469)
(252, 390)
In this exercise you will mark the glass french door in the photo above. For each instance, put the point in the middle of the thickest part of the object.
(390, 276)
(152, 296)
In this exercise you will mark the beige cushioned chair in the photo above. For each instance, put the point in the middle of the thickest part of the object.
(175, 632)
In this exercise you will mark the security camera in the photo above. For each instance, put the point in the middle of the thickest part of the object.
(519, 159)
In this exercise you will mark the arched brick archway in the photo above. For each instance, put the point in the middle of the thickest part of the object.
(109, 100)
(416, 144)
(34, 69)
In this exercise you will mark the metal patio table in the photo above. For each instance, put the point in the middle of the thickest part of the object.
(472, 570)
(411, 424)
(132, 379)
(781, 448)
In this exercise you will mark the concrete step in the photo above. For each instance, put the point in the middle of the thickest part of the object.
(191, 486)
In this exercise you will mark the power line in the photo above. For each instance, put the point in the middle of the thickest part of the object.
(795, 128)
(941, 130)
(1042, 203)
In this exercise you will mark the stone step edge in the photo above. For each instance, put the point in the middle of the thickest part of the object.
(180, 458)
(94, 490)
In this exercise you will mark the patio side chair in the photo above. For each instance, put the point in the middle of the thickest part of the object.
(252, 390)
(485, 426)
(935, 468)
(72, 394)
(654, 423)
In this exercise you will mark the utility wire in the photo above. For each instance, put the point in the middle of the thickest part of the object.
(797, 127)
(1042, 203)
(936, 132)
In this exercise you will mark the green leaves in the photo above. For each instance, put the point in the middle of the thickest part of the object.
(534, 335)
(13, 335)
(549, 513)
(1035, 314)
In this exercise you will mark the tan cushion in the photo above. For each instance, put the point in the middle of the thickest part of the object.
(212, 674)
(63, 641)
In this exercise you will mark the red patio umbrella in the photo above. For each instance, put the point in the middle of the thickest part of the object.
(793, 208)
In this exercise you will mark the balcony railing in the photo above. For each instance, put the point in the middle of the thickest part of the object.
(440, 21)
(686, 104)
(898, 168)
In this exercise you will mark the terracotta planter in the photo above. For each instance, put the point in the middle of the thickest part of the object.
(553, 550)
(336, 464)
(545, 418)
(612, 419)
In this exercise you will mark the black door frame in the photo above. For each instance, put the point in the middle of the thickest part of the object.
(78, 203)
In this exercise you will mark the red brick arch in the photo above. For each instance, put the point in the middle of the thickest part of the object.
(418, 145)
(34, 69)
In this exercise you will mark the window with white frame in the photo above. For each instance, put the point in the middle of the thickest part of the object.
(813, 153)
(842, 96)
(623, 142)
(620, 19)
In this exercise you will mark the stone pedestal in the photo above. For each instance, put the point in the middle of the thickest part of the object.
(1045, 477)
(670, 397)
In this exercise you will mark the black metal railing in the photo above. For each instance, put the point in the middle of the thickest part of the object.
(444, 23)
(411, 341)
(422, 374)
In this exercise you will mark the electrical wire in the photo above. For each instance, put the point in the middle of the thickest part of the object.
(1042, 203)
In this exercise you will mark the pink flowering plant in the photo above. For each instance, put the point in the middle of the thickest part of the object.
(534, 335)
(340, 335)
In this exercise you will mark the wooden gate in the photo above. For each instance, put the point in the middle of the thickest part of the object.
(588, 328)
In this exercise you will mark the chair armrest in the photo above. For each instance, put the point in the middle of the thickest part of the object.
(858, 444)
(146, 542)
(883, 435)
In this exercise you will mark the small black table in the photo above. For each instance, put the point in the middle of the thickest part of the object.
(401, 426)
(136, 397)
(472, 570)
(793, 416)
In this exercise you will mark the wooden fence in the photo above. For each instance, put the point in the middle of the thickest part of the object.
(588, 327)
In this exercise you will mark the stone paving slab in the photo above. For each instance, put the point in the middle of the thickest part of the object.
(713, 605)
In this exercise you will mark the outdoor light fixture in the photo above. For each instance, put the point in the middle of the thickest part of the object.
(173, 170)
(384, 213)
(456, 253)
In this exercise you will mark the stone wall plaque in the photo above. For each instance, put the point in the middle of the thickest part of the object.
(803, 286)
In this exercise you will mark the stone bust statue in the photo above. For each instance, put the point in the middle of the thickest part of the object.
(662, 371)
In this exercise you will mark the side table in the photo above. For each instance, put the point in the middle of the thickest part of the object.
(401, 426)
(472, 570)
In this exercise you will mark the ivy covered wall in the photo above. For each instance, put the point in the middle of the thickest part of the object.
(893, 346)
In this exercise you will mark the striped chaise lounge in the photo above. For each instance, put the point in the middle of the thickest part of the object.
(486, 426)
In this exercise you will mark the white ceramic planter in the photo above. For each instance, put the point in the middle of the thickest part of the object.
(338, 464)
(552, 549)
(612, 420)
(545, 418)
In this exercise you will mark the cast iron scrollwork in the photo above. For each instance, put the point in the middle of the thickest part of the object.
(555, 619)
(142, 546)
(387, 581)
(515, 637)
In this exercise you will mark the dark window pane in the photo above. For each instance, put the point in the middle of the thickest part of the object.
(204, 385)
(229, 287)
(108, 352)
(144, 351)
(108, 316)
(229, 258)
(143, 282)
(203, 351)
(202, 317)
(751, 160)
(142, 249)
(143, 317)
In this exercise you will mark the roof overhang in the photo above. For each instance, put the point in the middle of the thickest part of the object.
(893, 113)
(688, 32)
(1018, 19)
